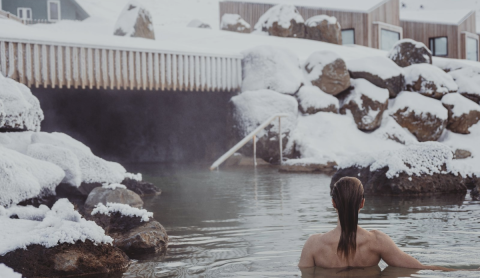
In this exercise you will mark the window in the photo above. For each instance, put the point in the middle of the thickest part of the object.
(53, 10)
(24, 13)
(438, 46)
(472, 49)
(348, 36)
(388, 39)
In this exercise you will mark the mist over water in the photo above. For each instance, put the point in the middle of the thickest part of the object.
(253, 223)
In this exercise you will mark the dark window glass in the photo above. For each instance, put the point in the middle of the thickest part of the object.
(439, 46)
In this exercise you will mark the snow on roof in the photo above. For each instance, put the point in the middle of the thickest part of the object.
(363, 6)
(449, 17)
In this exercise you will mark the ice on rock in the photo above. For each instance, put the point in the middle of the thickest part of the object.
(123, 209)
(6, 272)
(61, 224)
(273, 68)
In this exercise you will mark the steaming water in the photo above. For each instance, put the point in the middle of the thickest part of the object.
(247, 223)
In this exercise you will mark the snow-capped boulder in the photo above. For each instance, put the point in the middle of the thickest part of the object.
(140, 187)
(312, 100)
(323, 28)
(250, 109)
(326, 70)
(272, 68)
(234, 23)
(468, 81)
(461, 154)
(20, 109)
(462, 113)
(281, 21)
(196, 23)
(380, 71)
(423, 168)
(106, 195)
(429, 81)
(407, 52)
(135, 21)
(367, 103)
(424, 117)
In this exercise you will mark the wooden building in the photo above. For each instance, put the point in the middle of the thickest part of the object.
(372, 23)
(448, 33)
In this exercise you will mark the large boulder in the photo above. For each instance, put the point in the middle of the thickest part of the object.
(196, 23)
(107, 194)
(367, 103)
(380, 71)
(429, 81)
(323, 28)
(135, 21)
(250, 109)
(281, 21)
(468, 81)
(19, 109)
(408, 52)
(234, 23)
(140, 187)
(415, 170)
(326, 70)
(424, 117)
(272, 68)
(312, 100)
(462, 113)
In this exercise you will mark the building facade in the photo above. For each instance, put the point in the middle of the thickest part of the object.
(44, 11)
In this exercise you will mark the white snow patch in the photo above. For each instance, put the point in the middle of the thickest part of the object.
(419, 104)
(378, 65)
(461, 104)
(364, 87)
(196, 23)
(6, 272)
(233, 19)
(281, 14)
(450, 16)
(442, 80)
(114, 186)
(273, 68)
(27, 212)
(123, 209)
(314, 20)
(137, 176)
(312, 96)
(316, 62)
(61, 224)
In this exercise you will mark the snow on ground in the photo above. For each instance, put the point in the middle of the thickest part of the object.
(61, 224)
(123, 209)
(6, 272)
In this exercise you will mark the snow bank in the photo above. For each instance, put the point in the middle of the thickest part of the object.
(316, 62)
(312, 96)
(123, 209)
(6, 272)
(431, 74)
(114, 186)
(127, 20)
(419, 159)
(364, 87)
(419, 104)
(21, 109)
(27, 212)
(23, 177)
(273, 68)
(233, 19)
(314, 20)
(252, 108)
(281, 14)
(467, 79)
(377, 65)
(461, 104)
(61, 224)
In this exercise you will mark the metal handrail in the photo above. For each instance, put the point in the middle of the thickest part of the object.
(252, 135)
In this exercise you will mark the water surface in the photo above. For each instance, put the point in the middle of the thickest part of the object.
(253, 223)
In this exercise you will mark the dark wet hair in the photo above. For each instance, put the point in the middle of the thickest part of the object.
(348, 194)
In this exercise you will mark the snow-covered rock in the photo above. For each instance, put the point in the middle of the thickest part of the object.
(391, 130)
(327, 71)
(380, 71)
(20, 109)
(234, 23)
(468, 81)
(462, 113)
(135, 21)
(323, 28)
(108, 195)
(424, 117)
(6, 272)
(429, 81)
(23, 177)
(123, 209)
(272, 68)
(196, 23)
(252, 108)
(281, 21)
(366, 102)
(312, 100)
(407, 52)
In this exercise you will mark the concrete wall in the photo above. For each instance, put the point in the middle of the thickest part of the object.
(140, 126)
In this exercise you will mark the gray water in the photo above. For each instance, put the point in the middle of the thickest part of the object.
(253, 223)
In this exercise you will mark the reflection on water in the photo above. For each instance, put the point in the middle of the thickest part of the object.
(253, 223)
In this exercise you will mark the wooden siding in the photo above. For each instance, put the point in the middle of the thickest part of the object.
(421, 31)
(76, 66)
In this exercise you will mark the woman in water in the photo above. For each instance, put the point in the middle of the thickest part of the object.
(349, 245)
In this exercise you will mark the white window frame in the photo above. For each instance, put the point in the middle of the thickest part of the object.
(385, 26)
(24, 9)
(59, 10)
(464, 36)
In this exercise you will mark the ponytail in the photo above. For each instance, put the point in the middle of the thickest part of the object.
(347, 193)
